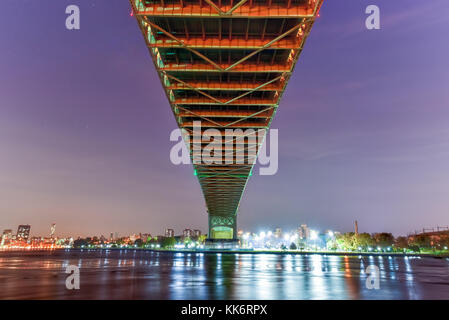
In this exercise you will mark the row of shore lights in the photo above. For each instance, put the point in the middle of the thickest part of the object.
(292, 237)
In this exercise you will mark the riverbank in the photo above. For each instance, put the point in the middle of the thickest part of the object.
(298, 252)
(241, 251)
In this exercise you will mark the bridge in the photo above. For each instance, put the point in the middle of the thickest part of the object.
(224, 66)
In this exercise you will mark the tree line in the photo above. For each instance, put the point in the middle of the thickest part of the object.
(387, 242)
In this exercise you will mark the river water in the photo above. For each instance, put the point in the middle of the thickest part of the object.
(139, 274)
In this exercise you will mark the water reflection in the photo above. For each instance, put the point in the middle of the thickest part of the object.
(136, 274)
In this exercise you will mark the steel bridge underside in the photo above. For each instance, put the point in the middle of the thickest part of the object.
(225, 63)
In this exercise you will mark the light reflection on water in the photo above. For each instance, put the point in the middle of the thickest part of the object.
(135, 274)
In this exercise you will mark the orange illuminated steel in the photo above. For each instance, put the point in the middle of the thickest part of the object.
(225, 63)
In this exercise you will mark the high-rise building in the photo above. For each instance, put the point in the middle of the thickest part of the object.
(196, 233)
(169, 233)
(303, 232)
(52, 230)
(23, 232)
(7, 236)
(187, 233)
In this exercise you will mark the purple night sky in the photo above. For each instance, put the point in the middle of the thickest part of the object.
(84, 125)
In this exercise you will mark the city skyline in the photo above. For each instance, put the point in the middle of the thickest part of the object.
(175, 232)
(364, 138)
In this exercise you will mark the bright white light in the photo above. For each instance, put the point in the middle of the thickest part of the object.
(313, 235)
(331, 234)
(269, 234)
(286, 236)
(262, 235)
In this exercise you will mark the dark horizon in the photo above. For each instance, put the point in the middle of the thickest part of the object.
(84, 126)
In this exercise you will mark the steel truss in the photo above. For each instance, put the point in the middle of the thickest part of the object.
(225, 63)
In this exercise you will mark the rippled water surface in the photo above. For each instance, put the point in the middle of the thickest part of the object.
(135, 274)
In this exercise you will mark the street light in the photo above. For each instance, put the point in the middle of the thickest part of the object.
(313, 236)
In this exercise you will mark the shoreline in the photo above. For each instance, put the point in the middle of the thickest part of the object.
(242, 251)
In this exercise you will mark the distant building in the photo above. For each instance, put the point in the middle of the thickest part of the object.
(196, 233)
(187, 233)
(23, 232)
(35, 241)
(7, 233)
(52, 230)
(6, 237)
(169, 233)
(304, 232)
(111, 237)
(278, 233)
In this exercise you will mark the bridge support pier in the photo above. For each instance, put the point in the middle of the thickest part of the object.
(222, 232)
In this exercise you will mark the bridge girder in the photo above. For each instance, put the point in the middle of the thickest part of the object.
(225, 64)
